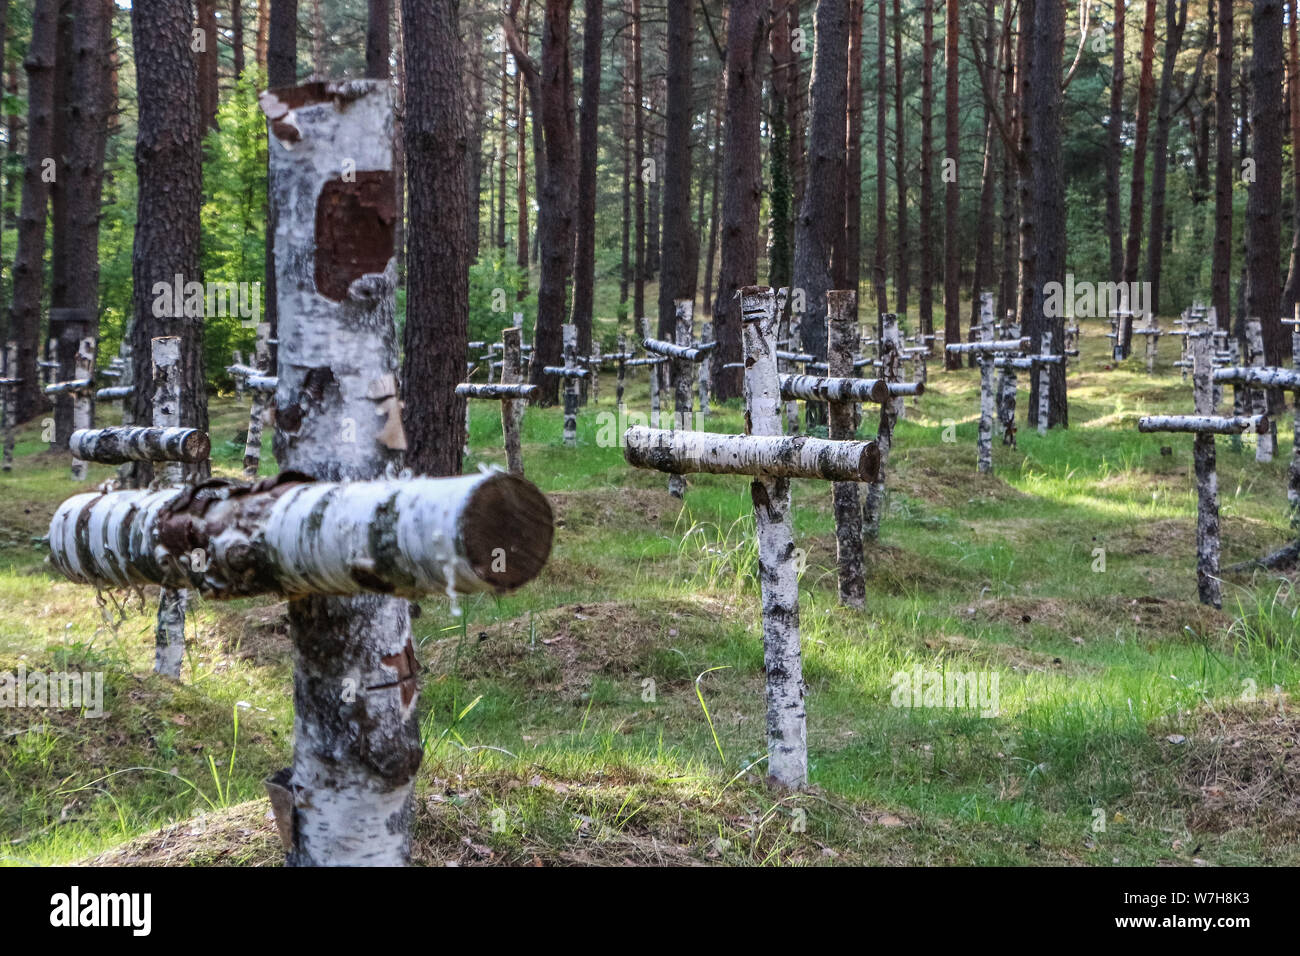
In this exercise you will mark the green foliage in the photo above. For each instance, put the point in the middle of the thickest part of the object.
(234, 214)
(493, 283)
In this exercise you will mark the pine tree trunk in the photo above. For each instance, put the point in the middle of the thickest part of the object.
(846, 250)
(168, 153)
(378, 46)
(1175, 24)
(904, 264)
(1137, 186)
(438, 257)
(207, 63)
(584, 269)
(1264, 199)
(952, 195)
(1224, 124)
(680, 248)
(742, 178)
(29, 260)
(1291, 292)
(926, 210)
(880, 263)
(1114, 133)
(820, 223)
(237, 37)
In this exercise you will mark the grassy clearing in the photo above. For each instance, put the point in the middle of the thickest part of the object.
(612, 711)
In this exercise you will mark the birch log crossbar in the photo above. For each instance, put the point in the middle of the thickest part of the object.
(508, 395)
(293, 537)
(115, 445)
(770, 459)
(1263, 378)
(684, 357)
(1204, 425)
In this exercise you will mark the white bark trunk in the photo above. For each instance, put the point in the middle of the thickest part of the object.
(1266, 445)
(355, 756)
(787, 718)
(841, 344)
(115, 445)
(815, 389)
(771, 456)
(570, 385)
(1007, 385)
(169, 632)
(873, 508)
(511, 410)
(682, 390)
(1045, 384)
(1204, 424)
(85, 371)
(257, 413)
(706, 382)
(9, 404)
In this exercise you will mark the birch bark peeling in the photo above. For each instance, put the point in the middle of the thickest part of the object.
(683, 315)
(770, 456)
(484, 532)
(841, 344)
(354, 759)
(85, 371)
(115, 445)
(890, 362)
(787, 717)
(512, 411)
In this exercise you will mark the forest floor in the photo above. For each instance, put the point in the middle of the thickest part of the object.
(612, 711)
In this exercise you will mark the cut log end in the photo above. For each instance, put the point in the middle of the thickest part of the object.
(508, 528)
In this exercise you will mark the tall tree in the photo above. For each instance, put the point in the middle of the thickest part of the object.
(1046, 38)
(584, 268)
(237, 36)
(1264, 199)
(983, 277)
(1291, 293)
(1113, 154)
(880, 263)
(639, 170)
(846, 251)
(742, 177)
(1224, 124)
(169, 173)
(680, 247)
(819, 226)
(1175, 26)
(781, 200)
(926, 211)
(556, 204)
(1137, 188)
(438, 257)
(379, 48)
(29, 267)
(952, 194)
(902, 242)
(281, 70)
(208, 50)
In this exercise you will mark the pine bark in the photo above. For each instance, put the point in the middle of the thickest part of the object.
(29, 268)
(438, 256)
(1137, 185)
(925, 293)
(742, 178)
(952, 193)
(1264, 198)
(169, 173)
(379, 47)
(680, 246)
(1175, 25)
(1114, 133)
(584, 268)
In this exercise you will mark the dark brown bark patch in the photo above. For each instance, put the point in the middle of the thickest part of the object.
(354, 230)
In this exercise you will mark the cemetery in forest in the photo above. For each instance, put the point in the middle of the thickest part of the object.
(631, 433)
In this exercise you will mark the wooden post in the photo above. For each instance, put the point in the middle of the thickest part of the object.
(622, 370)
(338, 417)
(890, 359)
(787, 734)
(570, 385)
(8, 402)
(1044, 383)
(985, 440)
(1152, 333)
(83, 371)
(842, 339)
(1266, 445)
(169, 631)
(705, 376)
(511, 374)
(257, 411)
(594, 365)
(1007, 381)
(643, 327)
(788, 332)
(682, 385)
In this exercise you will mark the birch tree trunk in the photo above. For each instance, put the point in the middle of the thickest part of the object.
(787, 734)
(84, 371)
(511, 375)
(570, 385)
(682, 367)
(1207, 480)
(169, 633)
(1045, 384)
(841, 339)
(985, 442)
(256, 414)
(9, 396)
(1267, 443)
(890, 361)
(706, 338)
(356, 740)
(1007, 382)
(621, 384)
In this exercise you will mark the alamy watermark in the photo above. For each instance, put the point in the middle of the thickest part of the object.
(955, 690)
(58, 689)
(206, 300)
(1091, 300)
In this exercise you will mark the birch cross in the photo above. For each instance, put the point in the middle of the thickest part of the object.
(571, 373)
(1204, 425)
(1152, 332)
(986, 350)
(771, 459)
(1121, 320)
(1262, 378)
(80, 388)
(684, 356)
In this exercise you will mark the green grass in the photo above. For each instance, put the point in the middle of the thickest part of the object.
(612, 710)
